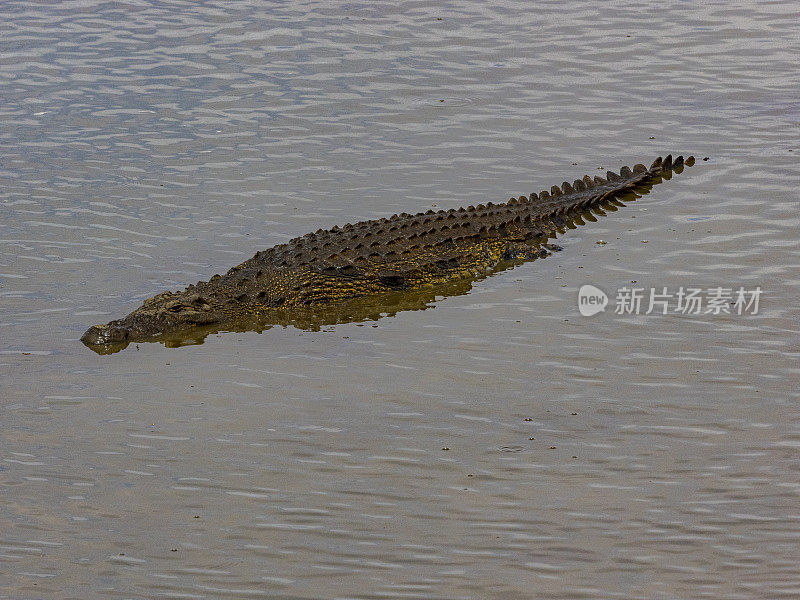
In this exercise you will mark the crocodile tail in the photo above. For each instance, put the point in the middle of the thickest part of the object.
(589, 192)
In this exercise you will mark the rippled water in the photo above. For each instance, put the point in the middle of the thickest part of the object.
(495, 445)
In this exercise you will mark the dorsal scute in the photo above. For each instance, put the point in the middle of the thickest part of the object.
(393, 235)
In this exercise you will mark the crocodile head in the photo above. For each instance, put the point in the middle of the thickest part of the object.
(101, 335)
(161, 317)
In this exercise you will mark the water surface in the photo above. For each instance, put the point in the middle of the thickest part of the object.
(496, 444)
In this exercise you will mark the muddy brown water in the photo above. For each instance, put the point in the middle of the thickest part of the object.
(496, 444)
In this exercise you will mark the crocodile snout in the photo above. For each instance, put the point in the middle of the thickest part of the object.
(104, 334)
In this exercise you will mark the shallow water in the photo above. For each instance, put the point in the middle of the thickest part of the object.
(496, 444)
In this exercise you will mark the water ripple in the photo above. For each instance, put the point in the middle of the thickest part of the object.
(478, 444)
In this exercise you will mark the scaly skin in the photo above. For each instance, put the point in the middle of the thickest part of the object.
(404, 252)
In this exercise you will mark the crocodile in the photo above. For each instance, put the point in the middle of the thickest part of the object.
(379, 256)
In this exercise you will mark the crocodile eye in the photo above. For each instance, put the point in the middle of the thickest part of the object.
(174, 306)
